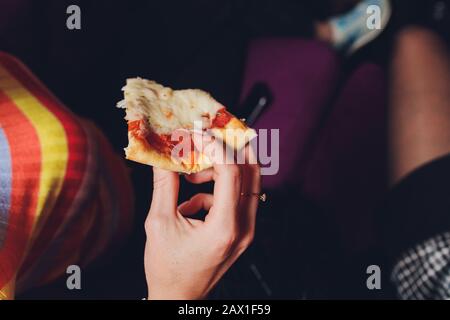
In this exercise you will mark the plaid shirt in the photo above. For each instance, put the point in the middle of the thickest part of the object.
(423, 272)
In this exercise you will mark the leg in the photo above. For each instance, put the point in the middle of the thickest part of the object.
(415, 215)
(419, 128)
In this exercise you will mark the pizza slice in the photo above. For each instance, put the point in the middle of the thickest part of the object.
(161, 119)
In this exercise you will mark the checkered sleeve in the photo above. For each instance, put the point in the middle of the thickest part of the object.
(423, 272)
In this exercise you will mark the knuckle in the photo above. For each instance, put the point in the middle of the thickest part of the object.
(153, 224)
(160, 181)
(248, 239)
(257, 169)
(234, 171)
(148, 226)
(245, 242)
(199, 196)
(225, 242)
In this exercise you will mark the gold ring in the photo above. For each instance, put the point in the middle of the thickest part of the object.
(262, 196)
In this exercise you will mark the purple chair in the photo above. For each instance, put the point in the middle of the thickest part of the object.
(332, 139)
(301, 75)
(347, 170)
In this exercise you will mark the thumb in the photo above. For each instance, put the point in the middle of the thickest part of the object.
(165, 192)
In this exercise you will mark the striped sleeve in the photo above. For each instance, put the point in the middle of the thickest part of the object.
(61, 185)
(37, 151)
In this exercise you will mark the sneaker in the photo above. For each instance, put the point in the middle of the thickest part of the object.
(350, 31)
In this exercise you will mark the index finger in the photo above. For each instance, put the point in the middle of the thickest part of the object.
(227, 181)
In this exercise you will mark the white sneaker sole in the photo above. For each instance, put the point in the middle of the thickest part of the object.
(370, 36)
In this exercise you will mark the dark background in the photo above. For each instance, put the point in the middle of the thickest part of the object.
(199, 44)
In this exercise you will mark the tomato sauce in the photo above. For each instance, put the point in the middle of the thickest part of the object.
(162, 143)
(221, 119)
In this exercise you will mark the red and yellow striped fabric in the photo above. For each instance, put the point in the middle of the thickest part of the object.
(64, 194)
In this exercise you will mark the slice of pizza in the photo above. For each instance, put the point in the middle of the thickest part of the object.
(161, 119)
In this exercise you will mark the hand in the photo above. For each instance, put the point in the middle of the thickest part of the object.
(185, 258)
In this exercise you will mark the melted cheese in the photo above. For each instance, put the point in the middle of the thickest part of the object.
(165, 109)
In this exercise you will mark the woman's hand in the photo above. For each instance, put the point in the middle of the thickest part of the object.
(185, 258)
